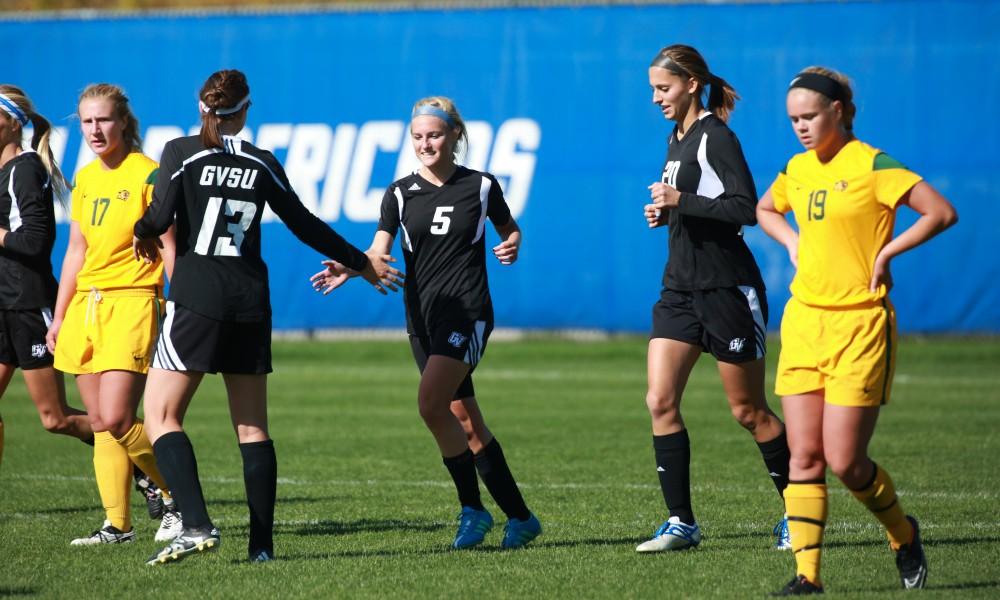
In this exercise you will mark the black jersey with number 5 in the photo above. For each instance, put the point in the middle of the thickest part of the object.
(218, 196)
(717, 199)
(442, 232)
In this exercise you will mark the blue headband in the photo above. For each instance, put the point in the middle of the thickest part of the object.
(13, 110)
(433, 111)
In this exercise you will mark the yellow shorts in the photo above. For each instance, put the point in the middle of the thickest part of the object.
(849, 353)
(109, 330)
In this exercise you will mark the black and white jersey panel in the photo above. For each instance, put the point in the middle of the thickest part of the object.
(217, 197)
(27, 213)
(718, 198)
(442, 233)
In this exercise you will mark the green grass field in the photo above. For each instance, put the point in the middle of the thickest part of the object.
(365, 508)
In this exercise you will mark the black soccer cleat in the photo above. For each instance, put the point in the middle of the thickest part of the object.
(911, 561)
(154, 501)
(799, 586)
(190, 541)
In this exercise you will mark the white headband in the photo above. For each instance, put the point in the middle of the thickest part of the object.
(12, 109)
(225, 111)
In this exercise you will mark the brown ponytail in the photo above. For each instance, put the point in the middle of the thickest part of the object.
(222, 90)
(688, 62)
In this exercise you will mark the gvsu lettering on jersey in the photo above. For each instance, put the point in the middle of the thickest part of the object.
(233, 177)
(341, 171)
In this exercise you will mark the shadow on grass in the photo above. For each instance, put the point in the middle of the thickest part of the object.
(325, 527)
(282, 501)
(17, 591)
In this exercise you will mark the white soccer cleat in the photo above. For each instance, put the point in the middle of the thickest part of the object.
(170, 527)
(107, 534)
(672, 535)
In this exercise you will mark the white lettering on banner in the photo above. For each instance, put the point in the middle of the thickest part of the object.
(360, 202)
(331, 168)
(513, 160)
(337, 170)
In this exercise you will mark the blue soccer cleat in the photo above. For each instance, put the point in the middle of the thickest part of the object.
(517, 533)
(782, 537)
(672, 535)
(472, 527)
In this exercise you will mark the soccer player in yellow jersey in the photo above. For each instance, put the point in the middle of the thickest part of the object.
(838, 333)
(108, 306)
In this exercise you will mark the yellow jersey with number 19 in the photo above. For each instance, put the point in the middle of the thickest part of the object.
(106, 204)
(845, 210)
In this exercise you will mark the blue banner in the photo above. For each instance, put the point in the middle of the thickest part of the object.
(559, 109)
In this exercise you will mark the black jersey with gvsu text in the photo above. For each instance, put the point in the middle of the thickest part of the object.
(717, 199)
(218, 196)
(442, 232)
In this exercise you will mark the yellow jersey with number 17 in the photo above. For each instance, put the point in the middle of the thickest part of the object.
(845, 210)
(106, 204)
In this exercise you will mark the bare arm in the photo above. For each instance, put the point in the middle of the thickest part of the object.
(507, 250)
(169, 250)
(936, 215)
(775, 225)
(76, 251)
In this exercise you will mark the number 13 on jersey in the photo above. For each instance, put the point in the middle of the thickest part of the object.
(224, 245)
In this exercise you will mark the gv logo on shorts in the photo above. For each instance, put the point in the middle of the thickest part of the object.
(736, 344)
(38, 350)
(456, 339)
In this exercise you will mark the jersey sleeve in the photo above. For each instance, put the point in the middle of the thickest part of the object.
(737, 201)
(892, 179)
(33, 237)
(388, 220)
(309, 228)
(496, 206)
(779, 192)
(148, 186)
(166, 192)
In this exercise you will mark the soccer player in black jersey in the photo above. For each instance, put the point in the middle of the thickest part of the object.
(28, 178)
(214, 188)
(440, 212)
(713, 295)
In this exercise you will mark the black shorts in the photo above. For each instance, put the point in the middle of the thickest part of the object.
(465, 342)
(730, 323)
(22, 338)
(189, 341)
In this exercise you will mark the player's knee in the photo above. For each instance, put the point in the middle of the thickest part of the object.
(807, 460)
(847, 466)
(432, 412)
(118, 425)
(747, 416)
(661, 405)
(54, 423)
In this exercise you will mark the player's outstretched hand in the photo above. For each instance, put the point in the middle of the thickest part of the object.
(147, 251)
(382, 275)
(331, 278)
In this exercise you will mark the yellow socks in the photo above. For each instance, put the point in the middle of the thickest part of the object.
(137, 445)
(114, 474)
(879, 496)
(806, 505)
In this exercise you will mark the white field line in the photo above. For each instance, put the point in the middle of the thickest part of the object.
(442, 483)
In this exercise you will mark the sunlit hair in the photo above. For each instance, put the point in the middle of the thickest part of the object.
(41, 135)
(685, 61)
(448, 106)
(122, 110)
(849, 109)
(222, 90)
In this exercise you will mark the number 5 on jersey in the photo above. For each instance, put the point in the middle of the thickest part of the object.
(442, 222)
(224, 245)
